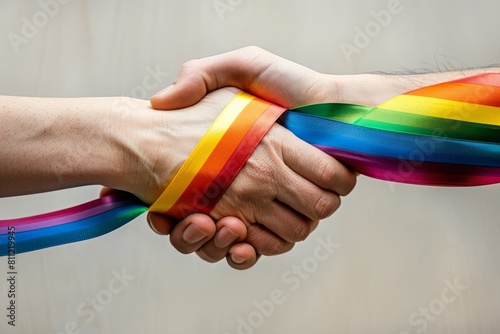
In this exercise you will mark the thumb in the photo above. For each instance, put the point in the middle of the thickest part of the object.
(250, 69)
(188, 89)
(159, 223)
(200, 76)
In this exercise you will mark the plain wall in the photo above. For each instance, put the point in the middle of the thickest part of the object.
(396, 247)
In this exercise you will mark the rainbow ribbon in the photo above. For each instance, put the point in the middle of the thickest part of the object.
(443, 135)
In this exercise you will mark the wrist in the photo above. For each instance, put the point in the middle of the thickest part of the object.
(92, 128)
(364, 89)
(117, 124)
(373, 89)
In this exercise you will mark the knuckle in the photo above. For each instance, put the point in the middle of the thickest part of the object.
(325, 205)
(260, 171)
(300, 231)
(266, 243)
(252, 48)
(191, 64)
(277, 247)
(328, 172)
(314, 224)
(352, 183)
(250, 51)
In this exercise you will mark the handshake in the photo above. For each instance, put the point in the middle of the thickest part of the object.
(277, 199)
(285, 187)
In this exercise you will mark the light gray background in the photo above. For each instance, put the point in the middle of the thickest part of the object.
(399, 246)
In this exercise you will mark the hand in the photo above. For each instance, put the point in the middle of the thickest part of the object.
(253, 70)
(284, 82)
(280, 195)
(228, 231)
(261, 73)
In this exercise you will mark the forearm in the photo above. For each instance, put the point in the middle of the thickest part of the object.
(52, 143)
(372, 89)
(118, 142)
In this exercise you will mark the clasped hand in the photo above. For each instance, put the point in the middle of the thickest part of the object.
(286, 186)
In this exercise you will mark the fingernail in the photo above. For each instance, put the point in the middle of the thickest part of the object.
(237, 259)
(150, 223)
(192, 234)
(225, 237)
(164, 91)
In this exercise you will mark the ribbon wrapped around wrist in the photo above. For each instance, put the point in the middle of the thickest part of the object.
(442, 135)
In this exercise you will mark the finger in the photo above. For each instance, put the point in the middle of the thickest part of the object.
(188, 90)
(266, 242)
(285, 222)
(304, 196)
(106, 191)
(230, 230)
(192, 232)
(317, 166)
(159, 224)
(314, 224)
(242, 256)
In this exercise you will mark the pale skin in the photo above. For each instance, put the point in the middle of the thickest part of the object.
(285, 83)
(123, 144)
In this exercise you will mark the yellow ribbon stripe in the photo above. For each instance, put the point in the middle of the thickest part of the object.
(435, 107)
(201, 153)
